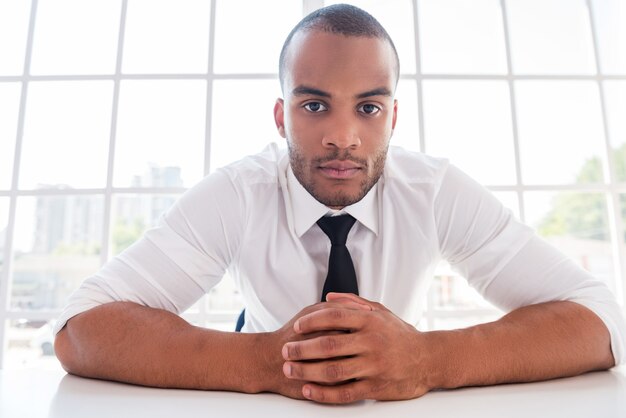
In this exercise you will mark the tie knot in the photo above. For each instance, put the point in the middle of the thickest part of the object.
(337, 228)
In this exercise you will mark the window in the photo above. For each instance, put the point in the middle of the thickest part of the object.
(112, 109)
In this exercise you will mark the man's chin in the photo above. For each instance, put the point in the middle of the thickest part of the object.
(339, 200)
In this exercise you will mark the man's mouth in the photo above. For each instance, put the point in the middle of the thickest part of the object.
(338, 169)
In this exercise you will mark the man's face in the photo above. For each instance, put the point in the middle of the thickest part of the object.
(338, 113)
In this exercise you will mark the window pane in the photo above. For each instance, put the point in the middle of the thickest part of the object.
(406, 133)
(225, 297)
(57, 245)
(220, 307)
(470, 123)
(133, 214)
(609, 17)
(451, 292)
(167, 36)
(623, 209)
(250, 41)
(254, 100)
(223, 304)
(550, 37)
(460, 36)
(9, 109)
(577, 224)
(66, 134)
(397, 19)
(560, 132)
(222, 325)
(30, 346)
(622, 203)
(76, 37)
(160, 133)
(4, 219)
(615, 97)
(14, 15)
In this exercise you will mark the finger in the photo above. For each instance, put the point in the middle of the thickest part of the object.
(347, 303)
(339, 394)
(327, 305)
(338, 303)
(332, 318)
(335, 296)
(332, 371)
(324, 347)
(351, 297)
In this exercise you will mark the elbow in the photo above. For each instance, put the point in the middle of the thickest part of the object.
(65, 351)
(599, 338)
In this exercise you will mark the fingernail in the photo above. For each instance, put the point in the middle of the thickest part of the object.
(285, 352)
(306, 391)
(296, 326)
(287, 369)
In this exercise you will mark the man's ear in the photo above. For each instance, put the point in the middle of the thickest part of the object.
(279, 116)
(395, 115)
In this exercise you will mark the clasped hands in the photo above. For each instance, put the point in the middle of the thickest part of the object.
(350, 348)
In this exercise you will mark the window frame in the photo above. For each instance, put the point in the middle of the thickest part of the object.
(612, 189)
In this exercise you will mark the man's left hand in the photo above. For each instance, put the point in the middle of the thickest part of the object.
(378, 356)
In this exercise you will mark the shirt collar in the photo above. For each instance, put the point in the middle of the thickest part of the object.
(307, 210)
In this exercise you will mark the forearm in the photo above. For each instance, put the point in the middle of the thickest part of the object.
(532, 343)
(131, 343)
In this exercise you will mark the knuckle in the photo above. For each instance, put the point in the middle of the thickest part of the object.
(379, 386)
(329, 344)
(334, 372)
(345, 396)
(337, 314)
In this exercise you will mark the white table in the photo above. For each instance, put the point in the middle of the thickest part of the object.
(53, 394)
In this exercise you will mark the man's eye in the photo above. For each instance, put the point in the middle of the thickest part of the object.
(369, 109)
(315, 107)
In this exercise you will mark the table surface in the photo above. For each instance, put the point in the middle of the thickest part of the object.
(39, 393)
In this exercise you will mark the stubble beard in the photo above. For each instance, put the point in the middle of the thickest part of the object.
(304, 171)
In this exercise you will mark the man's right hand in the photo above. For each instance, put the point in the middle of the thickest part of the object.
(279, 383)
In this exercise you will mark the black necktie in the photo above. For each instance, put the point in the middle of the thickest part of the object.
(341, 275)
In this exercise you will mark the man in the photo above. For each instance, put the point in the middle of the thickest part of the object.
(266, 220)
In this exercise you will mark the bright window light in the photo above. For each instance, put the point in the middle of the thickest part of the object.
(166, 36)
(462, 37)
(75, 37)
(14, 15)
(110, 110)
(9, 108)
(161, 124)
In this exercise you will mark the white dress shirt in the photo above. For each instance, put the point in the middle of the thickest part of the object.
(254, 220)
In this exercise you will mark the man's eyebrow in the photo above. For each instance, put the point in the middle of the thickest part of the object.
(312, 91)
(381, 91)
(304, 91)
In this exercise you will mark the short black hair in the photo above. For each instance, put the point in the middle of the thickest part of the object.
(342, 19)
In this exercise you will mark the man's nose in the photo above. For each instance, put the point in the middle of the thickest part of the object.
(342, 135)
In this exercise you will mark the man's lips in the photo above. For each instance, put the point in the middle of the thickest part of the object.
(337, 169)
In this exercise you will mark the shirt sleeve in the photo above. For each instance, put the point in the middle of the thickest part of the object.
(508, 263)
(176, 263)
